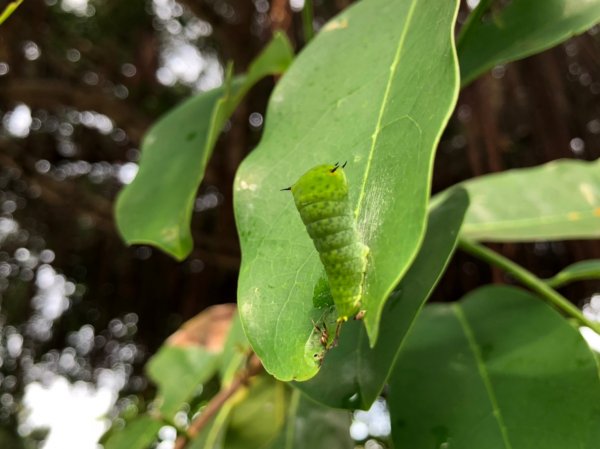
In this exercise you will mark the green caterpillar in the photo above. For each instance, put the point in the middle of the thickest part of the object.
(321, 197)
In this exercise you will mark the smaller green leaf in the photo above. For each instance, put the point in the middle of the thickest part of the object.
(252, 417)
(257, 419)
(235, 352)
(555, 201)
(499, 369)
(579, 271)
(139, 433)
(518, 29)
(213, 434)
(311, 425)
(156, 208)
(193, 355)
(179, 372)
(353, 374)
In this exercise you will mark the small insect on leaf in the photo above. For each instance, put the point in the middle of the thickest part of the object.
(321, 197)
(323, 336)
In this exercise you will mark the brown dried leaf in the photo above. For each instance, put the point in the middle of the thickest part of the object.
(208, 329)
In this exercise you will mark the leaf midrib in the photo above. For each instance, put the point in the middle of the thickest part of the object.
(384, 103)
(470, 336)
(529, 222)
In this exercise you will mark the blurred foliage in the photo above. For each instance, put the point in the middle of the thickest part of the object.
(80, 84)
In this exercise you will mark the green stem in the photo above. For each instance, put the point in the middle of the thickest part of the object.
(528, 279)
(10, 8)
(474, 17)
(307, 21)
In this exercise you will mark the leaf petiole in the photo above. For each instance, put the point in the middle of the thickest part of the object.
(528, 279)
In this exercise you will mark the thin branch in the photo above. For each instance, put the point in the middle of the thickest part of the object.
(528, 279)
(253, 368)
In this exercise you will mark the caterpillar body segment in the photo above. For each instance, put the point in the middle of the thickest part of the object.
(321, 197)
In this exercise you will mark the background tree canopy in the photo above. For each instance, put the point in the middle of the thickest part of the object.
(83, 81)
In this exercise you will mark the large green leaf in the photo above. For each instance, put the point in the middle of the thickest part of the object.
(156, 208)
(139, 433)
(519, 29)
(353, 374)
(179, 372)
(579, 271)
(382, 110)
(498, 370)
(556, 201)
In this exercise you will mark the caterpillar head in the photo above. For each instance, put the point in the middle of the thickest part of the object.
(321, 183)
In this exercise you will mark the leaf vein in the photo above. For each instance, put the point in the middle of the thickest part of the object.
(384, 102)
(485, 377)
(283, 307)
